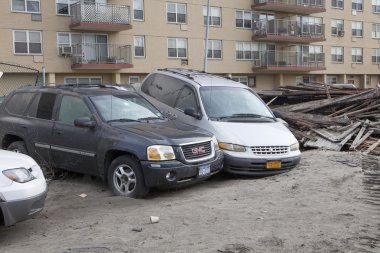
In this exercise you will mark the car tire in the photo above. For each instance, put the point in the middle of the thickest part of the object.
(125, 178)
(18, 147)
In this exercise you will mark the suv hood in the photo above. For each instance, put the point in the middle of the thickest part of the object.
(253, 134)
(170, 132)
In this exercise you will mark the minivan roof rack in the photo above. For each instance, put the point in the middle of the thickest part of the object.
(184, 72)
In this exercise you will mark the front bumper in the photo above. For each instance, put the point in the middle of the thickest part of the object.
(16, 211)
(257, 167)
(155, 172)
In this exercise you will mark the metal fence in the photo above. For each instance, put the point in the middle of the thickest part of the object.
(15, 76)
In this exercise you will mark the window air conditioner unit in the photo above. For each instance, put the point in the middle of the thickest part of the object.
(340, 33)
(65, 50)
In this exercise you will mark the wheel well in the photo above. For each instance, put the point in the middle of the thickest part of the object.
(112, 155)
(8, 139)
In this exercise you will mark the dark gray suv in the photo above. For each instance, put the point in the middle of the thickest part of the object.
(112, 133)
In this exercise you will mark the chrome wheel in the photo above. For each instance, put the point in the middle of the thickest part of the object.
(124, 179)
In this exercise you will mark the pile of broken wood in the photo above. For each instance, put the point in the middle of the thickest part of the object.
(345, 122)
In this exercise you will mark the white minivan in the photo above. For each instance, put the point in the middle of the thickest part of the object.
(254, 141)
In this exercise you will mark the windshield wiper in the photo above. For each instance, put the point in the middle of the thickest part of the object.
(150, 118)
(250, 115)
(122, 120)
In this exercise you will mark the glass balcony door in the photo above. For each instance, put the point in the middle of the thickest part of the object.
(95, 48)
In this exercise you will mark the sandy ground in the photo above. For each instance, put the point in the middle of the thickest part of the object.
(323, 205)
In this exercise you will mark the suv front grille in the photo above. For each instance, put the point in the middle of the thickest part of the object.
(196, 151)
(270, 150)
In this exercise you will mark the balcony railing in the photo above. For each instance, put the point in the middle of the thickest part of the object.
(289, 60)
(91, 16)
(101, 56)
(290, 6)
(286, 30)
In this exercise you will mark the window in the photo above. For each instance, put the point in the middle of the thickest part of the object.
(376, 31)
(241, 79)
(176, 13)
(337, 4)
(19, 103)
(72, 108)
(247, 51)
(134, 79)
(337, 54)
(32, 6)
(337, 27)
(83, 80)
(357, 55)
(332, 79)
(186, 100)
(214, 16)
(177, 48)
(375, 55)
(69, 39)
(357, 5)
(214, 49)
(376, 6)
(357, 29)
(45, 106)
(27, 42)
(63, 6)
(138, 10)
(139, 45)
(315, 53)
(244, 19)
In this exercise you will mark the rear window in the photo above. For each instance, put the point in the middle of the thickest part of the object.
(19, 102)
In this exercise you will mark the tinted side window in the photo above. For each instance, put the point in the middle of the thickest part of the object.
(147, 83)
(45, 106)
(164, 88)
(19, 103)
(72, 108)
(186, 99)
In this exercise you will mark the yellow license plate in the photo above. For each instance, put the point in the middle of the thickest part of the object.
(274, 165)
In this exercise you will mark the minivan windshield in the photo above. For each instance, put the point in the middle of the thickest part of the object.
(125, 108)
(232, 102)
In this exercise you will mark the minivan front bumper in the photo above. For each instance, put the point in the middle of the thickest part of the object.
(155, 173)
(257, 167)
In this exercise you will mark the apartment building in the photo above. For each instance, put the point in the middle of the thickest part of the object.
(262, 43)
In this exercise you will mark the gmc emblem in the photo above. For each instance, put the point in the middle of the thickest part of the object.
(198, 150)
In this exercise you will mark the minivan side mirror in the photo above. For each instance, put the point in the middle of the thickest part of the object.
(84, 122)
(193, 113)
(277, 114)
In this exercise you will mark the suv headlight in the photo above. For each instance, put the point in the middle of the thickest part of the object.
(160, 153)
(20, 175)
(231, 147)
(215, 142)
(295, 147)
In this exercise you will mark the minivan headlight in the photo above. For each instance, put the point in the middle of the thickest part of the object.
(160, 153)
(20, 175)
(295, 147)
(215, 142)
(231, 147)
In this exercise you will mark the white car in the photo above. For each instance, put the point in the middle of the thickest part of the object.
(23, 188)
(254, 141)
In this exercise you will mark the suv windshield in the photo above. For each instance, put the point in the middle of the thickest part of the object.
(230, 102)
(124, 108)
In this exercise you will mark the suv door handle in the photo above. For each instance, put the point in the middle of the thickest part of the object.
(58, 132)
(23, 126)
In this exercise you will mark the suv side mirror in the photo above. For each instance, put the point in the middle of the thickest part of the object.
(277, 114)
(193, 113)
(84, 122)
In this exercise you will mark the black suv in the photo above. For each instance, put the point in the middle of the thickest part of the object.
(112, 133)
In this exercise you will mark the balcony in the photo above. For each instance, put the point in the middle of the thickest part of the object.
(304, 7)
(288, 31)
(289, 61)
(101, 56)
(100, 17)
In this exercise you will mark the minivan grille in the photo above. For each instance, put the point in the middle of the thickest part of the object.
(270, 150)
(195, 151)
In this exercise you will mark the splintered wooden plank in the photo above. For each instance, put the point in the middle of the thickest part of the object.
(365, 137)
(359, 135)
(322, 143)
(359, 111)
(336, 137)
(372, 147)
